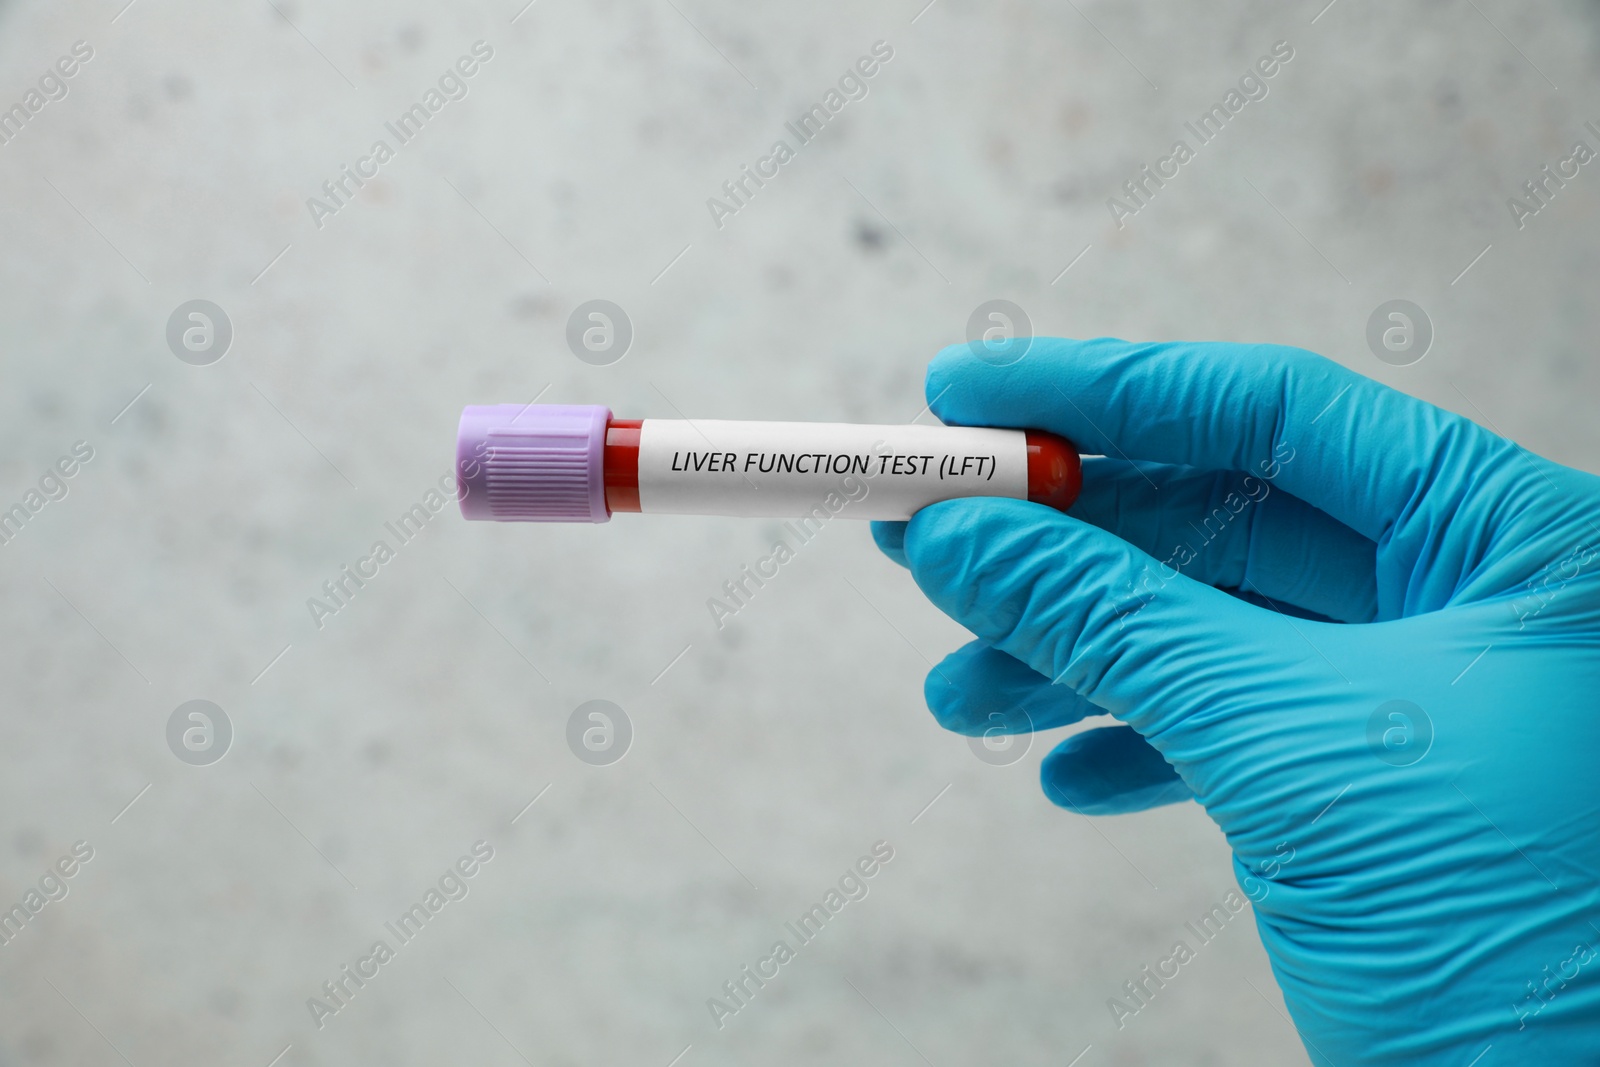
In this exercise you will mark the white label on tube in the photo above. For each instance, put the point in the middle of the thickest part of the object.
(787, 470)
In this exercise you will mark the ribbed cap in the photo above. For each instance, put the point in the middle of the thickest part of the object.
(532, 462)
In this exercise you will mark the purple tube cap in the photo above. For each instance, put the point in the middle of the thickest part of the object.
(532, 462)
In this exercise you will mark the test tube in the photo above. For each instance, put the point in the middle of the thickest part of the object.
(575, 463)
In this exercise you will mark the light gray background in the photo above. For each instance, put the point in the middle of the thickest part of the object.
(428, 713)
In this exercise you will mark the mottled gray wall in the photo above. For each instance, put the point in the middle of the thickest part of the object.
(370, 754)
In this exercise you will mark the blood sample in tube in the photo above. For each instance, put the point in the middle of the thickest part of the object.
(575, 463)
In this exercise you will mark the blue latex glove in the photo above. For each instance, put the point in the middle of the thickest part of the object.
(1360, 630)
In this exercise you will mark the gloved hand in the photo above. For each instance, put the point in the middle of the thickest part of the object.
(1364, 633)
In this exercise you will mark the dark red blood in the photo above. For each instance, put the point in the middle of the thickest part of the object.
(622, 464)
(1055, 474)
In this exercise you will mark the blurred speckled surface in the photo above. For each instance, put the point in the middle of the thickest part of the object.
(426, 715)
